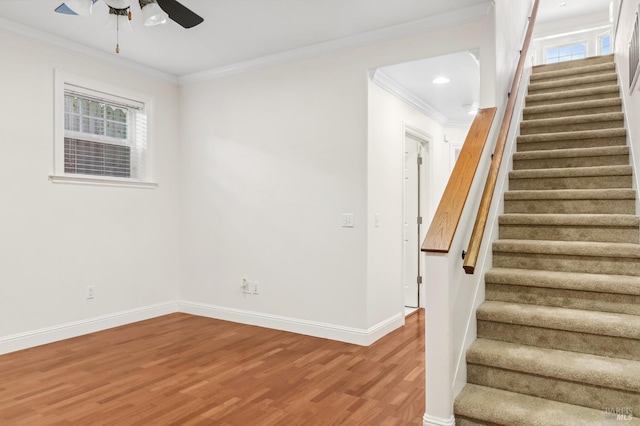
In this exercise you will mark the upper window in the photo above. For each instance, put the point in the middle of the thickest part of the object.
(101, 133)
(604, 44)
(566, 53)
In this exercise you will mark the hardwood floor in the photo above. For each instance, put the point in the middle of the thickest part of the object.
(187, 370)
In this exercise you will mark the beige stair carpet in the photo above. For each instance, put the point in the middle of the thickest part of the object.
(559, 333)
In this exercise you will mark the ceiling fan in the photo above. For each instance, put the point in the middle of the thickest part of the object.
(154, 12)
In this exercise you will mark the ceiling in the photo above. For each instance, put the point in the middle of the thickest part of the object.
(237, 31)
(233, 31)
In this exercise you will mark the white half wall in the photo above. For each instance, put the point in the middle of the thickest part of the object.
(57, 239)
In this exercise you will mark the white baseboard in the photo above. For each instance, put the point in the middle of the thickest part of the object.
(43, 336)
(358, 336)
(55, 333)
(428, 420)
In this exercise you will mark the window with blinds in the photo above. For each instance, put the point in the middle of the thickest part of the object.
(103, 132)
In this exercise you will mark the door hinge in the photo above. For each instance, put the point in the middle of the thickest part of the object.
(419, 220)
(419, 161)
(419, 280)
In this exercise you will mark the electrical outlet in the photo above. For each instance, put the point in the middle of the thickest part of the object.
(246, 286)
(91, 293)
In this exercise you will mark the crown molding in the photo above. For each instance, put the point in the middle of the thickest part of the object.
(73, 47)
(383, 80)
(432, 23)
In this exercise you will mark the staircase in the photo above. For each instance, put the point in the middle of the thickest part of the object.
(559, 333)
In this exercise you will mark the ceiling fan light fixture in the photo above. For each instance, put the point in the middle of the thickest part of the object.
(119, 19)
(152, 14)
(118, 4)
(80, 7)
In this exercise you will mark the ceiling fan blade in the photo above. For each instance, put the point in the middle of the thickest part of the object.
(179, 13)
(63, 8)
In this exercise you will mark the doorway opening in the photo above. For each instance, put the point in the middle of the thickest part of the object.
(415, 198)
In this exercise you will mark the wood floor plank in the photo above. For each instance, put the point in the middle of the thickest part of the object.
(186, 370)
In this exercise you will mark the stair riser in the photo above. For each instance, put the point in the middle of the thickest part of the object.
(570, 144)
(556, 163)
(572, 299)
(571, 112)
(563, 86)
(533, 102)
(582, 182)
(572, 64)
(605, 234)
(552, 388)
(567, 263)
(619, 347)
(586, 125)
(626, 206)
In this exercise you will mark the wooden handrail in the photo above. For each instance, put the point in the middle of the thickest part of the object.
(473, 250)
(445, 221)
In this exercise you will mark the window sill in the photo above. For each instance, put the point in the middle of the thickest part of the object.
(78, 180)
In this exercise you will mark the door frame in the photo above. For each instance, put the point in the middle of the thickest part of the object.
(425, 140)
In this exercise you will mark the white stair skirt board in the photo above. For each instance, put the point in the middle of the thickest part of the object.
(29, 339)
(357, 336)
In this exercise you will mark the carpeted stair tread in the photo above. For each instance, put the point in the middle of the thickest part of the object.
(613, 220)
(569, 248)
(573, 106)
(611, 90)
(579, 134)
(571, 72)
(495, 406)
(608, 78)
(572, 157)
(574, 64)
(572, 152)
(571, 172)
(573, 123)
(595, 370)
(615, 284)
(572, 194)
(613, 228)
(550, 317)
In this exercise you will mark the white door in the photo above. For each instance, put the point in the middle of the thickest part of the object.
(412, 220)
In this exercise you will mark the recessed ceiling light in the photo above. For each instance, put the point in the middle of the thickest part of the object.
(441, 80)
(562, 4)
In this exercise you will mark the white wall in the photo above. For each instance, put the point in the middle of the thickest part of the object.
(511, 18)
(56, 239)
(631, 100)
(272, 158)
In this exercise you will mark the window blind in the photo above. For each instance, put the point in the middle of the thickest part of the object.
(105, 135)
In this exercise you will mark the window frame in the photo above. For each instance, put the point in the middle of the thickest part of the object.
(599, 39)
(63, 81)
(559, 46)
